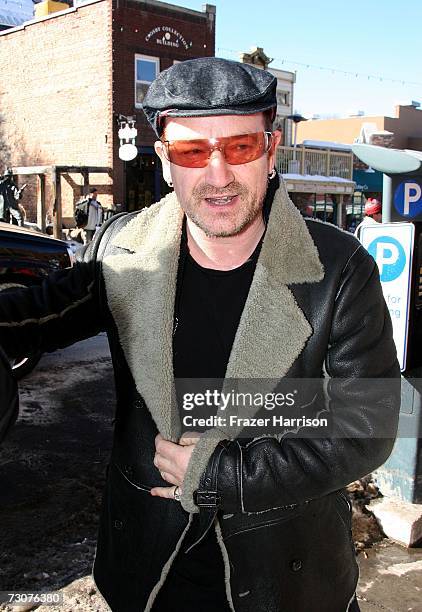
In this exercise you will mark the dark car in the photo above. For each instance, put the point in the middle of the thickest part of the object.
(26, 258)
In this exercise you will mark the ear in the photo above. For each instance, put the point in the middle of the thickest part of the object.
(159, 149)
(272, 152)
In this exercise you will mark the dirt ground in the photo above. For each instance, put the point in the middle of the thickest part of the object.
(52, 470)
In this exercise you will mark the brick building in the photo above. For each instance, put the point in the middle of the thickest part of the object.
(74, 72)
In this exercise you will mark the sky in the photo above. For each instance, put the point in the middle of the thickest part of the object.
(382, 38)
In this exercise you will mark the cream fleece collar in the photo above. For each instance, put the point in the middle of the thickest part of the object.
(141, 284)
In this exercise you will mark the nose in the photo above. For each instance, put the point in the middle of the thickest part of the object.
(218, 171)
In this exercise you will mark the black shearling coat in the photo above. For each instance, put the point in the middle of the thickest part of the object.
(315, 309)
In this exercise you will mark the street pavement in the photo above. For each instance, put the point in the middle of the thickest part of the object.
(52, 472)
(390, 578)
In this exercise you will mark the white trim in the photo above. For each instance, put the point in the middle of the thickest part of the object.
(52, 316)
(179, 9)
(166, 568)
(226, 562)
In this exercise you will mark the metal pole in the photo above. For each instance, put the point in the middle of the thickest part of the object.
(340, 204)
(41, 201)
(387, 198)
(294, 142)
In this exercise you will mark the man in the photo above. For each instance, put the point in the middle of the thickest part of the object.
(222, 278)
(373, 214)
(95, 215)
(9, 198)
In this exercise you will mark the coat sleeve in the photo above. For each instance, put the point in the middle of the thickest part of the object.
(254, 476)
(62, 310)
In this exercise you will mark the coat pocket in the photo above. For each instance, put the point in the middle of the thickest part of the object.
(300, 561)
(124, 529)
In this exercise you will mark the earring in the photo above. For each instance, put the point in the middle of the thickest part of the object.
(272, 174)
(169, 183)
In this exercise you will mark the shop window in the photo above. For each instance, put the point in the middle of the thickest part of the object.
(146, 70)
(283, 98)
(140, 181)
(355, 211)
(326, 208)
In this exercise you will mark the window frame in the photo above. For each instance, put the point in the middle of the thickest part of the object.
(149, 58)
(286, 95)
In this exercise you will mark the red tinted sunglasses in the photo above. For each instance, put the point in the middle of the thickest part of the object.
(240, 149)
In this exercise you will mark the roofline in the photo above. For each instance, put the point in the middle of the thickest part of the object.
(25, 24)
(73, 9)
(287, 74)
(179, 9)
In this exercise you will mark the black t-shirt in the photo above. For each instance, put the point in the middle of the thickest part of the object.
(209, 304)
(208, 307)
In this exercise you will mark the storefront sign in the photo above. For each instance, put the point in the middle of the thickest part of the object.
(368, 181)
(167, 37)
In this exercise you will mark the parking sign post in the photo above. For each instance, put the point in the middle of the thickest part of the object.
(396, 246)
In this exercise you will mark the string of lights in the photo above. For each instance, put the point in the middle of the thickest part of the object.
(353, 73)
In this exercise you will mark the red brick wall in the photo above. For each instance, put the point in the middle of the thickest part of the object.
(56, 97)
(133, 23)
(71, 74)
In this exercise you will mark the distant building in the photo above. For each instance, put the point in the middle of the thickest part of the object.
(75, 73)
(14, 12)
(285, 88)
(404, 131)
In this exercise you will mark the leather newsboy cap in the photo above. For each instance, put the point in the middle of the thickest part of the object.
(208, 86)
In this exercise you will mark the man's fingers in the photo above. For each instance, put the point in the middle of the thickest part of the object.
(173, 459)
(189, 438)
(164, 464)
(165, 448)
(167, 492)
(169, 478)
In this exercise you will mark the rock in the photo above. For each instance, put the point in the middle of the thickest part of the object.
(400, 520)
(80, 595)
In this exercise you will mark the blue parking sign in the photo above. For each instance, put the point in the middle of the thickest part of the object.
(408, 198)
(390, 257)
(391, 245)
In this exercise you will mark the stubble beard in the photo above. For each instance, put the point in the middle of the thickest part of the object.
(251, 207)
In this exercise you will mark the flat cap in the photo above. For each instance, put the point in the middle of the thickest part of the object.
(208, 86)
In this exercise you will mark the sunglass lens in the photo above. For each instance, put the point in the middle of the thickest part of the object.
(189, 153)
(244, 148)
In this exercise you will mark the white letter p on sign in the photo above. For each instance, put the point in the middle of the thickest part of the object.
(386, 255)
(412, 193)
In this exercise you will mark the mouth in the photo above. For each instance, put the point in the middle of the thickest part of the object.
(221, 200)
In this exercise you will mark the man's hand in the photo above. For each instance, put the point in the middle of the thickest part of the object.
(172, 461)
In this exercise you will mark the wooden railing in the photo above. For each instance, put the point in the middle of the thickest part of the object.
(314, 162)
